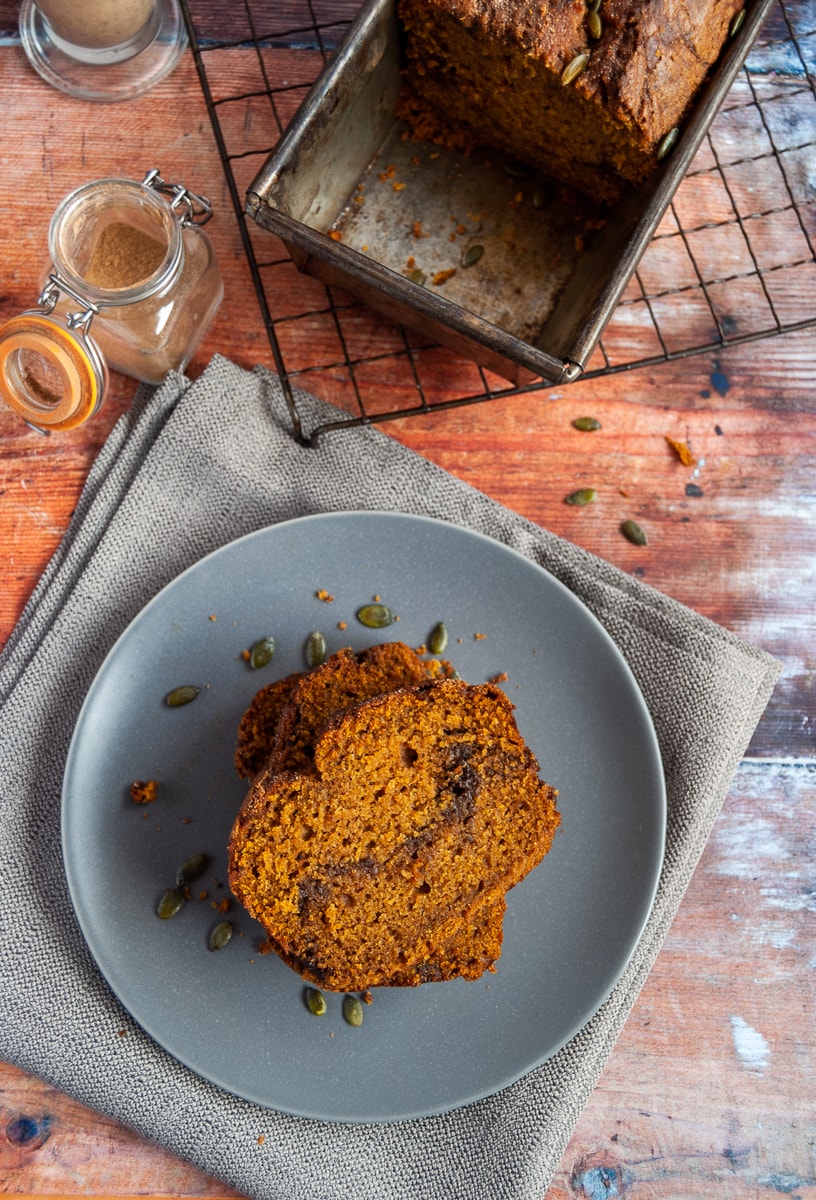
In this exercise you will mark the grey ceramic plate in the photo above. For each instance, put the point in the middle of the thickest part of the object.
(237, 1017)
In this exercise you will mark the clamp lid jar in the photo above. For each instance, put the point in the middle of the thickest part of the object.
(50, 372)
(131, 261)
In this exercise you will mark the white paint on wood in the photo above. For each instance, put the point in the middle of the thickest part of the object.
(752, 1049)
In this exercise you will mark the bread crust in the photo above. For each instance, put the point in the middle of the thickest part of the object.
(496, 67)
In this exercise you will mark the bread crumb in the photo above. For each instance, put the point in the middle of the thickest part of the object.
(144, 791)
(683, 452)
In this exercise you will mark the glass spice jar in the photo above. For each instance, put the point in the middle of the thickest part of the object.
(105, 50)
(133, 285)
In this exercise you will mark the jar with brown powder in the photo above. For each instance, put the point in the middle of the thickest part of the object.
(132, 285)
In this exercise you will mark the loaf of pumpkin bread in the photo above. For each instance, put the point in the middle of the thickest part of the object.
(588, 91)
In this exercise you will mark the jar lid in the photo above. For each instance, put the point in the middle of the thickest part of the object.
(52, 375)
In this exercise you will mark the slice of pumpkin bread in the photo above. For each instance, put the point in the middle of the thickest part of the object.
(386, 860)
(284, 717)
(256, 732)
(345, 679)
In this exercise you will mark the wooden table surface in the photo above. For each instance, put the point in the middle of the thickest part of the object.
(710, 1091)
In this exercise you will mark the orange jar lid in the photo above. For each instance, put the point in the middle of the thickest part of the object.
(54, 377)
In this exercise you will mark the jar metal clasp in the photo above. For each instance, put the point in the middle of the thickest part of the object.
(188, 207)
(49, 298)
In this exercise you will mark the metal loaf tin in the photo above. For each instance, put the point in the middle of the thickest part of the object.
(403, 214)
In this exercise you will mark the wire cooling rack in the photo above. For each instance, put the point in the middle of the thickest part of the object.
(734, 259)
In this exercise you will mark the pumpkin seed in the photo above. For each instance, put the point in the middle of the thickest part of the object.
(438, 640)
(581, 497)
(261, 653)
(418, 276)
(316, 1002)
(633, 533)
(574, 68)
(181, 695)
(316, 649)
(540, 196)
(191, 868)
(221, 935)
(352, 1011)
(517, 170)
(376, 616)
(737, 23)
(586, 424)
(171, 902)
(472, 255)
(668, 143)
(594, 26)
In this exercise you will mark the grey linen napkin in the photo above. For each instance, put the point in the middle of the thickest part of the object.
(188, 469)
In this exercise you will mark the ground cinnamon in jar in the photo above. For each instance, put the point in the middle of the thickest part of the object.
(123, 257)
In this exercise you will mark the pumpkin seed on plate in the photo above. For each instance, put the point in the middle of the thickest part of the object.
(594, 26)
(376, 616)
(171, 902)
(586, 424)
(191, 868)
(261, 653)
(316, 649)
(438, 640)
(221, 935)
(737, 23)
(316, 1002)
(352, 1011)
(181, 695)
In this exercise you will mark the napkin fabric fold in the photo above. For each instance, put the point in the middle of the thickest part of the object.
(188, 469)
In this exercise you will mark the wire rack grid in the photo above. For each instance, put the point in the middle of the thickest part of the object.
(734, 259)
